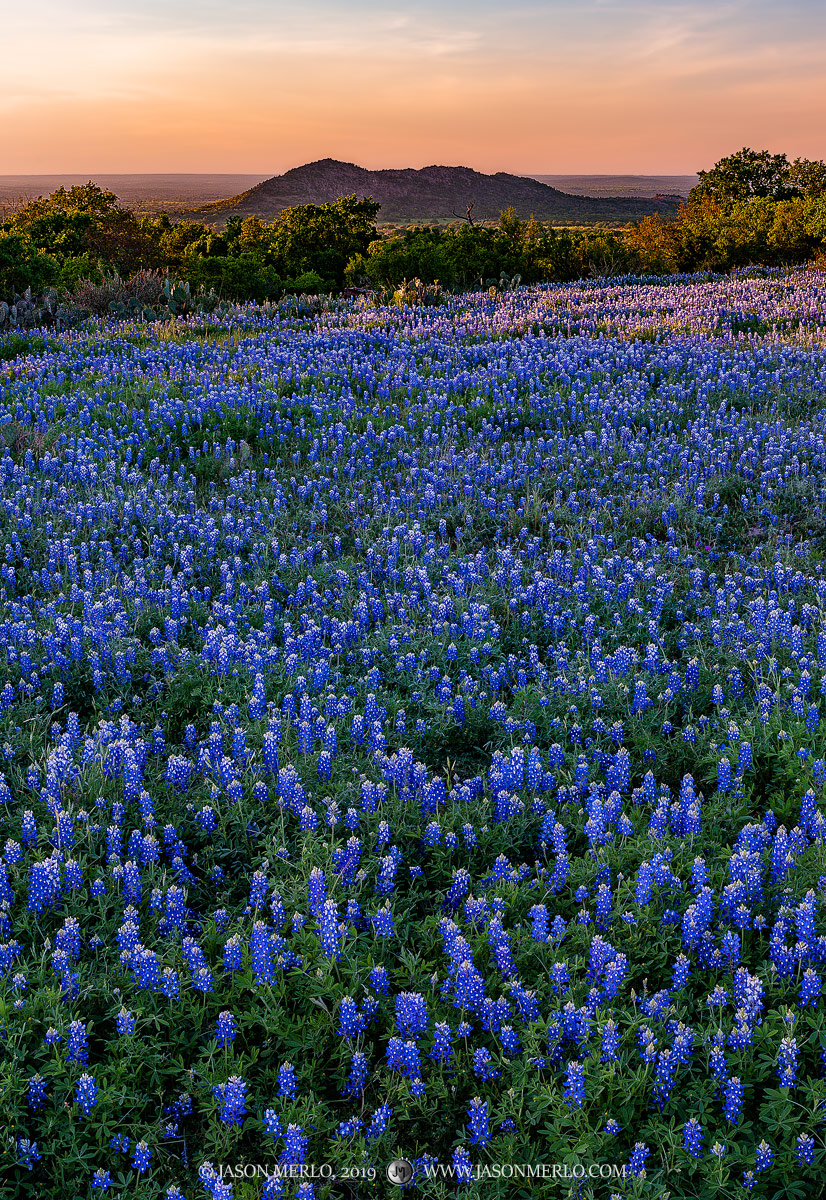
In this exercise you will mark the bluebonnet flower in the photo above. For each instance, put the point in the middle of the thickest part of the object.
(77, 1043)
(810, 987)
(636, 1163)
(442, 1050)
(458, 888)
(272, 1123)
(194, 957)
(213, 1183)
(383, 921)
(462, 1163)
(764, 1156)
(27, 1152)
(86, 1092)
(404, 1057)
(411, 1013)
(717, 1058)
(351, 1022)
(560, 977)
(603, 906)
(287, 1082)
(574, 1090)
(231, 1098)
(378, 1122)
(680, 973)
(733, 1099)
(787, 1062)
(539, 922)
(349, 1128)
(225, 1029)
(261, 952)
(483, 1063)
(232, 954)
(307, 819)
(510, 1041)
(723, 775)
(125, 1022)
(357, 1075)
(258, 890)
(805, 1149)
(664, 1076)
(693, 1137)
(683, 1043)
(295, 1146)
(478, 1123)
(329, 931)
(378, 980)
(610, 1041)
(141, 1157)
(36, 1092)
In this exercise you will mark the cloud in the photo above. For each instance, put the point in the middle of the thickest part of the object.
(540, 86)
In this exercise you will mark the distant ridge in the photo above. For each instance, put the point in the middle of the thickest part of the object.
(432, 193)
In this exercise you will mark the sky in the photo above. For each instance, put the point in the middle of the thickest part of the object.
(554, 86)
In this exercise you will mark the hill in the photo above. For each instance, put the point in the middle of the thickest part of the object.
(429, 194)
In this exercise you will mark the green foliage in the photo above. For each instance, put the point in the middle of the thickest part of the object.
(744, 175)
(707, 235)
(808, 177)
(15, 345)
(466, 256)
(751, 207)
(23, 265)
(322, 238)
(84, 220)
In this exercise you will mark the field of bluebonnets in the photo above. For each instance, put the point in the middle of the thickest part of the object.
(413, 744)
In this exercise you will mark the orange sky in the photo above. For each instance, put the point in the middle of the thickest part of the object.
(600, 86)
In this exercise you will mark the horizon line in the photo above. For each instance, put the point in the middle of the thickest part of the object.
(522, 174)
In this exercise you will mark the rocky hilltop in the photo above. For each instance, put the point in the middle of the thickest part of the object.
(432, 193)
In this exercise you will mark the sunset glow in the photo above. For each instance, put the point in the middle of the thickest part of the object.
(601, 86)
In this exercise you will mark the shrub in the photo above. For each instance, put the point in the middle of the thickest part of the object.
(145, 288)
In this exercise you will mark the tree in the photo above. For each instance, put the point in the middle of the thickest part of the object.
(808, 177)
(22, 265)
(84, 220)
(321, 237)
(745, 175)
(654, 243)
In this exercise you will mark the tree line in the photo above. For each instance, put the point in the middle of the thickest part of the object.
(752, 207)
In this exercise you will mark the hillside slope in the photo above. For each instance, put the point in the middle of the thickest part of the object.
(432, 193)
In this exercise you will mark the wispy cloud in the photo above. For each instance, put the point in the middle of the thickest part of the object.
(545, 85)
